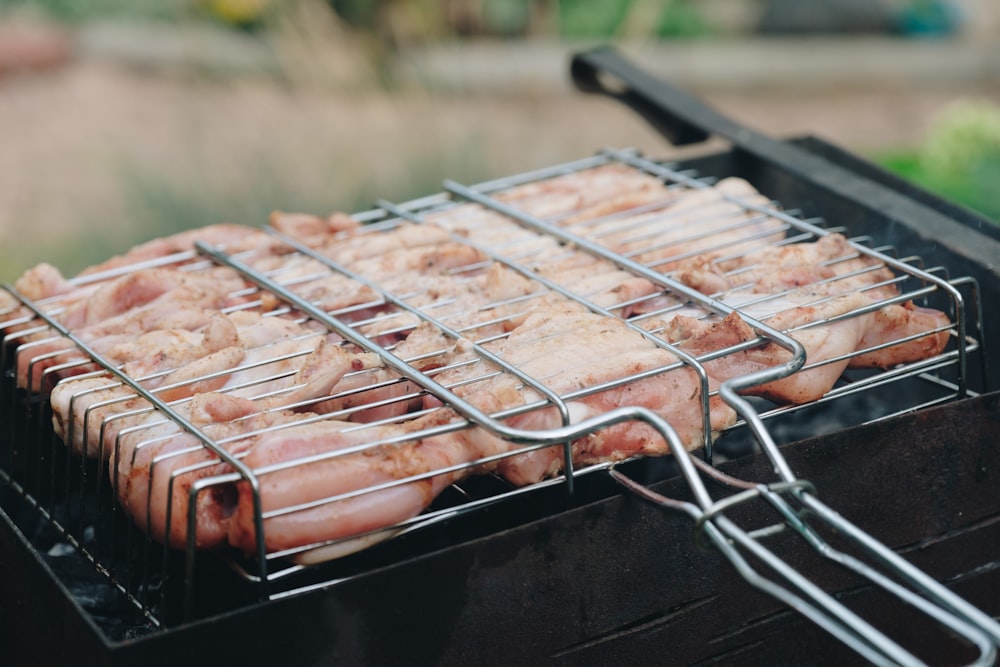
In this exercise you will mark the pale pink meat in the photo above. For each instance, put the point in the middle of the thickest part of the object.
(45, 282)
(569, 351)
(588, 193)
(152, 358)
(822, 344)
(42, 282)
(285, 486)
(236, 238)
(831, 346)
(892, 323)
(129, 306)
(641, 217)
(273, 357)
(887, 324)
(381, 254)
(572, 352)
(150, 452)
(154, 468)
(312, 227)
(775, 269)
(315, 419)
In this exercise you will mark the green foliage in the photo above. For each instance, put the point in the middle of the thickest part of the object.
(963, 137)
(506, 17)
(591, 18)
(76, 11)
(682, 20)
(960, 157)
(576, 19)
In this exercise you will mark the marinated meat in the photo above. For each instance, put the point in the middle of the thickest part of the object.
(833, 329)
(273, 360)
(342, 444)
(567, 351)
(779, 268)
(597, 364)
(597, 191)
(124, 309)
(154, 461)
(711, 221)
(303, 469)
(155, 464)
(641, 218)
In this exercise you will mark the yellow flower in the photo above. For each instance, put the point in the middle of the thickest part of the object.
(238, 11)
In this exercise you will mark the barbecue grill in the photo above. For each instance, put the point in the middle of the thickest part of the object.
(604, 562)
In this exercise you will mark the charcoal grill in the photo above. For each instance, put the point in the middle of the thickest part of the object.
(572, 570)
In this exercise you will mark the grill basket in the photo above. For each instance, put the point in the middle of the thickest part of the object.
(497, 224)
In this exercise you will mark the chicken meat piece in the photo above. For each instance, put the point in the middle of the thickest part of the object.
(717, 221)
(155, 462)
(574, 353)
(328, 480)
(499, 298)
(234, 238)
(46, 284)
(779, 268)
(153, 360)
(588, 193)
(380, 254)
(837, 332)
(640, 216)
(125, 308)
(273, 358)
(155, 467)
(637, 216)
(319, 481)
(45, 281)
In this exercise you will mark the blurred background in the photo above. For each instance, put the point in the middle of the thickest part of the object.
(123, 120)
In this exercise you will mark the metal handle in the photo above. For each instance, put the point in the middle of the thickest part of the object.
(681, 117)
(675, 114)
(896, 577)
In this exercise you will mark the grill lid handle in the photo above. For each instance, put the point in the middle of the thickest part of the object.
(682, 118)
(675, 114)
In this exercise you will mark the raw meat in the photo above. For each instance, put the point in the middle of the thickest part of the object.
(343, 444)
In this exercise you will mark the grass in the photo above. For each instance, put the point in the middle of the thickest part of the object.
(959, 158)
(975, 188)
(77, 11)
